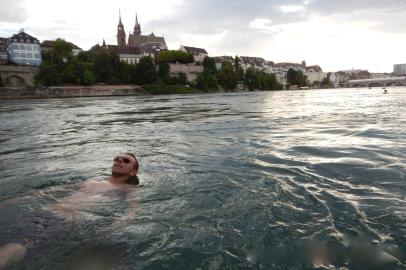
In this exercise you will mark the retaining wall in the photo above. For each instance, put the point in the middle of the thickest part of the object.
(70, 91)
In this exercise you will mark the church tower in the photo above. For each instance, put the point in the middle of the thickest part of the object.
(134, 39)
(137, 27)
(137, 33)
(121, 42)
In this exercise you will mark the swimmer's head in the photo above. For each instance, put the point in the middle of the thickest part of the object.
(125, 164)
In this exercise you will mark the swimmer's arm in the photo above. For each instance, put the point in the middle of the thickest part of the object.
(128, 215)
(67, 204)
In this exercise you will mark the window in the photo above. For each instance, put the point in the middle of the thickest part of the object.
(22, 47)
(37, 56)
(29, 48)
(29, 55)
(16, 55)
(15, 47)
(23, 55)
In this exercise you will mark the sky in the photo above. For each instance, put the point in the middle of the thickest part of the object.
(335, 34)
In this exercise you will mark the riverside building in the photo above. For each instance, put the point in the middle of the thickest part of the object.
(24, 49)
(399, 69)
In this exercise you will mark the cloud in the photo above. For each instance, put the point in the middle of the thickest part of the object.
(291, 9)
(12, 11)
(264, 25)
(279, 30)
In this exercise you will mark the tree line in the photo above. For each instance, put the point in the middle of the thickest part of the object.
(102, 66)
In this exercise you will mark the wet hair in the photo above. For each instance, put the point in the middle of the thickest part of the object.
(136, 161)
(132, 180)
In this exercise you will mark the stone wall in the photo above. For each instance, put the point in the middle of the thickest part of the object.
(70, 91)
(18, 76)
(191, 70)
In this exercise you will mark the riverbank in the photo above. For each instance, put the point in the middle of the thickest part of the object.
(103, 90)
(69, 91)
(94, 91)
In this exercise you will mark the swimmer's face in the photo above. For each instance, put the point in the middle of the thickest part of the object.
(124, 164)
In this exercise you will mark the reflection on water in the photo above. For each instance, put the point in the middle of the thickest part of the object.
(259, 180)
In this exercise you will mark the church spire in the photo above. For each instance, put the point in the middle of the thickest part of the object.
(137, 27)
(119, 15)
(121, 40)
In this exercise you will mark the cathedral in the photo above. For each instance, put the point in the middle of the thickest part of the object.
(138, 45)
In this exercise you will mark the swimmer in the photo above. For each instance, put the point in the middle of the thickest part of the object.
(123, 173)
(385, 91)
(123, 177)
(124, 170)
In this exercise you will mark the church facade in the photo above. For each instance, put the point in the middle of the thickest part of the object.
(131, 50)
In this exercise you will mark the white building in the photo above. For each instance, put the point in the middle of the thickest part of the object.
(399, 69)
(24, 49)
(315, 76)
(335, 79)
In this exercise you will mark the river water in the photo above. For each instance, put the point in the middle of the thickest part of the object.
(255, 180)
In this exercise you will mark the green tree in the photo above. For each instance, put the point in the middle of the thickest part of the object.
(209, 66)
(182, 79)
(60, 62)
(145, 71)
(211, 82)
(173, 57)
(48, 75)
(88, 78)
(238, 69)
(256, 79)
(163, 70)
(201, 82)
(85, 56)
(296, 77)
(250, 79)
(227, 77)
(105, 65)
(326, 82)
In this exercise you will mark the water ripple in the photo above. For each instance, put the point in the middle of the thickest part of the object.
(259, 180)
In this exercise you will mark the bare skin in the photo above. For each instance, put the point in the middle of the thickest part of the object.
(11, 253)
(91, 192)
